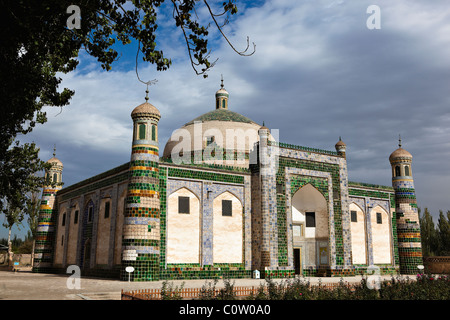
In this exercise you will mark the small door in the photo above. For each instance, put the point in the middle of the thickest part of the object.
(297, 261)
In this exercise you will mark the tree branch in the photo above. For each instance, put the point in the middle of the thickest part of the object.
(242, 53)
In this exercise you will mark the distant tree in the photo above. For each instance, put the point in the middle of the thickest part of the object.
(429, 234)
(444, 233)
(32, 211)
(19, 170)
(13, 216)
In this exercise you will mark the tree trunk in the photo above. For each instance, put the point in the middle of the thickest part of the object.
(32, 253)
(9, 248)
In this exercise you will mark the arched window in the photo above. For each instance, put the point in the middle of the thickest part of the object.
(407, 171)
(153, 133)
(90, 213)
(55, 177)
(141, 131)
(397, 171)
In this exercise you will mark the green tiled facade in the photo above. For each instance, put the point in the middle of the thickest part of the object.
(135, 232)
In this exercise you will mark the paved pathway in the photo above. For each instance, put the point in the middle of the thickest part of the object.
(25, 285)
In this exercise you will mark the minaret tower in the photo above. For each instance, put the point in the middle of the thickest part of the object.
(408, 228)
(340, 147)
(43, 252)
(222, 96)
(141, 230)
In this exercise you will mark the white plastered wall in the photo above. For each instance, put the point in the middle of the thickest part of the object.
(381, 238)
(227, 231)
(183, 230)
(358, 234)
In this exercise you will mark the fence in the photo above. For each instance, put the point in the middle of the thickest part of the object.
(437, 265)
(196, 293)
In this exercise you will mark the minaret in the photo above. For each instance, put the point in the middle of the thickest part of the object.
(48, 212)
(408, 228)
(141, 230)
(268, 165)
(222, 96)
(340, 147)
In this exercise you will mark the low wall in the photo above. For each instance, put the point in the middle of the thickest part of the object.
(437, 265)
(23, 259)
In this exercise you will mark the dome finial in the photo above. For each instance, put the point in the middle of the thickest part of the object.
(54, 150)
(148, 83)
(399, 141)
(221, 80)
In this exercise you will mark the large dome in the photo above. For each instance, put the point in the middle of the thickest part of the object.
(220, 128)
(221, 115)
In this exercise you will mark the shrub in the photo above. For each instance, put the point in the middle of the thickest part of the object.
(208, 291)
(169, 292)
(424, 287)
(227, 293)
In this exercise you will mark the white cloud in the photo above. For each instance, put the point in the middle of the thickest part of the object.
(317, 73)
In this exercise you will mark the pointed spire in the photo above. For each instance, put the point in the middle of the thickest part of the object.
(148, 83)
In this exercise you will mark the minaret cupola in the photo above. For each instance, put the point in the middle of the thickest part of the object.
(222, 96)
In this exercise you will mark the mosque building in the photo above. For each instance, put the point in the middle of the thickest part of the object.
(225, 199)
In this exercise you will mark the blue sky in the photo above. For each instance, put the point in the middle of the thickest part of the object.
(318, 73)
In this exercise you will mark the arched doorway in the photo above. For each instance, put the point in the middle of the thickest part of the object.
(310, 229)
